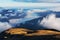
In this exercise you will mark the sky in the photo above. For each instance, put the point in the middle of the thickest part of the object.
(31, 3)
(48, 1)
(52, 1)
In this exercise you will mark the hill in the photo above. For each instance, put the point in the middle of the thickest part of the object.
(26, 34)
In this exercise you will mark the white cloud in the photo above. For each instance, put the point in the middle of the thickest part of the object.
(14, 21)
(54, 1)
(29, 14)
(57, 9)
(38, 1)
(25, 4)
(39, 10)
(51, 22)
(4, 26)
(13, 14)
(33, 14)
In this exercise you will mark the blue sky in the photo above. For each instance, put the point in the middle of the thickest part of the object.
(37, 0)
(48, 1)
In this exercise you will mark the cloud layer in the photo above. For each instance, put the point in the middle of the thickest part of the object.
(49, 1)
(4, 26)
(57, 9)
(51, 22)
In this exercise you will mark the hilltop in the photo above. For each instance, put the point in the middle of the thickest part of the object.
(27, 34)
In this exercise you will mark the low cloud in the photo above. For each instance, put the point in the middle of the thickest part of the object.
(51, 22)
(15, 21)
(4, 26)
(34, 13)
(31, 14)
(56, 9)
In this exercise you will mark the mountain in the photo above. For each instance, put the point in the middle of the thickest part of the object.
(31, 24)
(27, 34)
